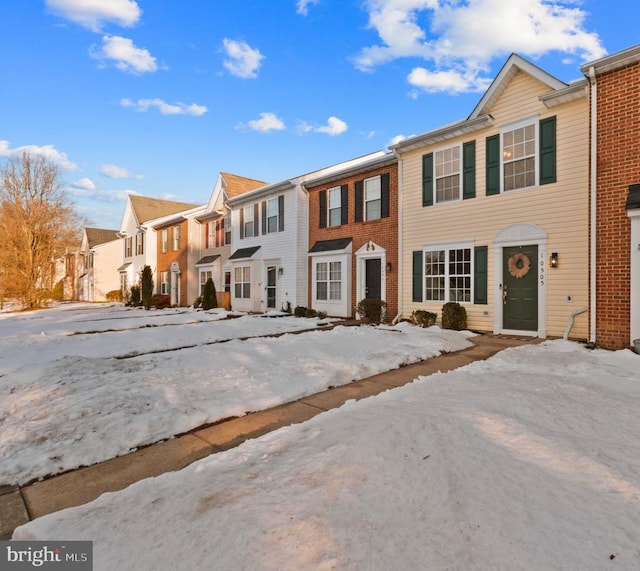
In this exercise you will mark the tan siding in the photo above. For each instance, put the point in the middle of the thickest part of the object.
(560, 209)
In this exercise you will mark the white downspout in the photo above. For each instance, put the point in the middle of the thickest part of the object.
(400, 250)
(594, 188)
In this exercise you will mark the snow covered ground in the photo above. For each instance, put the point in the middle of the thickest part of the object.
(69, 398)
(527, 461)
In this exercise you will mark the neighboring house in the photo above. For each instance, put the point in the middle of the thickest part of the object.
(494, 209)
(215, 229)
(178, 245)
(353, 237)
(615, 198)
(269, 263)
(138, 240)
(97, 264)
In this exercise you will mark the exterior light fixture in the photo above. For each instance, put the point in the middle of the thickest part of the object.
(554, 260)
(389, 266)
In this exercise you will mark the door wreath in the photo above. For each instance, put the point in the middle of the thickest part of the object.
(519, 265)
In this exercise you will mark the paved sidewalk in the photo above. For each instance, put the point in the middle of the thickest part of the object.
(18, 505)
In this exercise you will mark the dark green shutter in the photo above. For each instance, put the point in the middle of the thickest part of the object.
(281, 213)
(427, 180)
(480, 275)
(264, 217)
(493, 165)
(384, 195)
(256, 219)
(548, 150)
(322, 199)
(417, 275)
(469, 170)
(359, 201)
(344, 204)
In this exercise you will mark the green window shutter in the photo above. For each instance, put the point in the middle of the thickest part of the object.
(281, 213)
(548, 150)
(417, 275)
(322, 197)
(359, 201)
(384, 195)
(493, 165)
(427, 180)
(264, 217)
(469, 170)
(344, 204)
(480, 275)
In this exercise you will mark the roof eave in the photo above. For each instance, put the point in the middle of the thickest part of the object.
(613, 62)
(261, 192)
(445, 133)
(376, 163)
(573, 92)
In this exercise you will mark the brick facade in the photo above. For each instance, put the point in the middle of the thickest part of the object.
(383, 231)
(171, 255)
(618, 166)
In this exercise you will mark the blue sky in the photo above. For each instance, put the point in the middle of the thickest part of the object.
(157, 97)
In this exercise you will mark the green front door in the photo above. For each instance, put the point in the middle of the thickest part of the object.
(520, 288)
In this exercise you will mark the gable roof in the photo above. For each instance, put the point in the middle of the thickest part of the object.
(97, 236)
(236, 185)
(145, 208)
(514, 65)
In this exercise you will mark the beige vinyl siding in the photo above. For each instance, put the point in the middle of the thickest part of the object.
(560, 209)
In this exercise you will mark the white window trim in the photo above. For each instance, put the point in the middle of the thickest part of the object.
(446, 246)
(531, 120)
(435, 179)
(277, 216)
(364, 198)
(249, 221)
(338, 189)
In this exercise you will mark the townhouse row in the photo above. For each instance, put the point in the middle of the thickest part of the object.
(527, 212)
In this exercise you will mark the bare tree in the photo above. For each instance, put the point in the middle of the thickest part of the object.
(37, 222)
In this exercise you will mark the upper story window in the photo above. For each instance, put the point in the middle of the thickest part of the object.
(272, 215)
(165, 239)
(227, 228)
(335, 206)
(523, 155)
(139, 243)
(519, 157)
(210, 237)
(177, 237)
(447, 174)
(248, 221)
(372, 198)
(128, 246)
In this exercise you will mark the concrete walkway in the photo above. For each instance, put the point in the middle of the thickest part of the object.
(20, 504)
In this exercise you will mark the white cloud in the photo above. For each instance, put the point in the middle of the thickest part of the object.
(395, 140)
(267, 122)
(333, 127)
(242, 60)
(302, 127)
(84, 184)
(460, 38)
(102, 195)
(450, 80)
(165, 108)
(114, 171)
(93, 14)
(47, 151)
(302, 6)
(125, 54)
